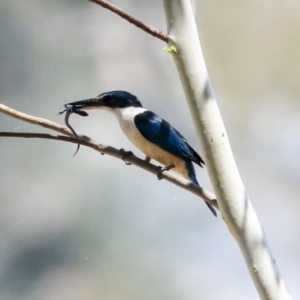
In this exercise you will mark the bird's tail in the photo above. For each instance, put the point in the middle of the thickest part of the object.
(192, 175)
(211, 208)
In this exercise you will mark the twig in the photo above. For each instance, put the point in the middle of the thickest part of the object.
(103, 149)
(34, 120)
(149, 29)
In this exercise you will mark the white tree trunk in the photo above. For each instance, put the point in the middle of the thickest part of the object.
(234, 204)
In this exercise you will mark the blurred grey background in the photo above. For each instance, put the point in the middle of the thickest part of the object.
(90, 227)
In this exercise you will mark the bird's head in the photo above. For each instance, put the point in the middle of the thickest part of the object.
(109, 101)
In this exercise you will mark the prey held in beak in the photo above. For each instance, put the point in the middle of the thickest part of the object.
(75, 107)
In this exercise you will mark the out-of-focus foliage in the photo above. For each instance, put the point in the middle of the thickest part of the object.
(90, 227)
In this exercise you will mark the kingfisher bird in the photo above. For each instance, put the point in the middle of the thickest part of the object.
(154, 136)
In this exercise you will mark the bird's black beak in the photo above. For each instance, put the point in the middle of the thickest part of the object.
(91, 103)
(79, 107)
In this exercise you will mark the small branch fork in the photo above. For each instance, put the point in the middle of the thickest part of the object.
(149, 29)
(103, 149)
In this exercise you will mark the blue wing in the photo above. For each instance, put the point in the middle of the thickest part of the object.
(161, 133)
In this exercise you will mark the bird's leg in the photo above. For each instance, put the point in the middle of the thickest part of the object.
(163, 169)
(147, 159)
(124, 154)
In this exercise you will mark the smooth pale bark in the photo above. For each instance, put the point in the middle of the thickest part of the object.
(234, 204)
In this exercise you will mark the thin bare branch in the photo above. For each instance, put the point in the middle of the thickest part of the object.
(34, 120)
(103, 149)
(147, 28)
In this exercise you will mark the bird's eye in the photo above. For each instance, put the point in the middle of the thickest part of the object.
(107, 98)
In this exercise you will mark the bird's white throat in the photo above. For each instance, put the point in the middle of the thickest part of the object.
(128, 112)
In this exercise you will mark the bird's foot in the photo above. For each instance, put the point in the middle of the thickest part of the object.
(163, 169)
(147, 159)
(124, 154)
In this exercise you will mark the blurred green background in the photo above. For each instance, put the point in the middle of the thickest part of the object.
(90, 227)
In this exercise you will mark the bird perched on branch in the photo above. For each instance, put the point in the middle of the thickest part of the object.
(155, 137)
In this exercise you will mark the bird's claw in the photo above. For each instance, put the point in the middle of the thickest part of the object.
(147, 159)
(163, 169)
(124, 154)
